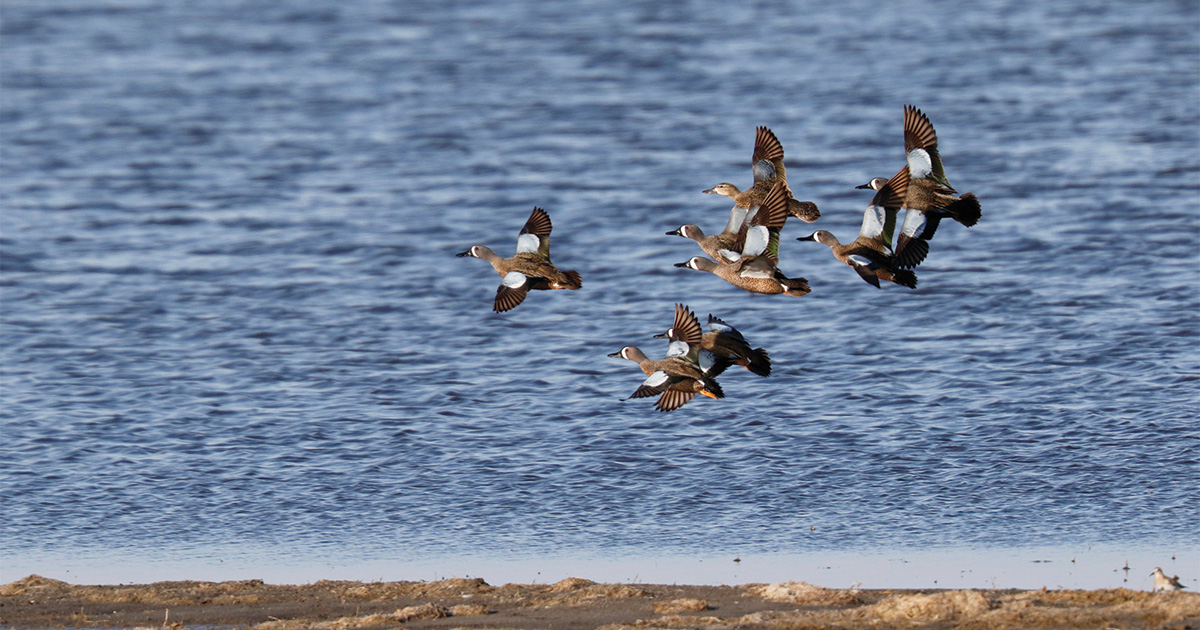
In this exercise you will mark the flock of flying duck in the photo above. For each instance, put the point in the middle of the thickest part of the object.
(746, 254)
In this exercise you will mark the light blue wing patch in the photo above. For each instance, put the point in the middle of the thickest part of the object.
(874, 219)
(914, 224)
(757, 239)
(678, 349)
(763, 169)
(728, 256)
(920, 165)
(859, 260)
(755, 272)
(528, 244)
(718, 326)
(514, 279)
(737, 216)
(707, 360)
(656, 379)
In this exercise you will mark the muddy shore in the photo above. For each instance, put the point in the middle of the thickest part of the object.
(38, 602)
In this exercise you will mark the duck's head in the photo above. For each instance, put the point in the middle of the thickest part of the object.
(724, 188)
(874, 184)
(633, 353)
(474, 252)
(696, 262)
(688, 231)
(821, 236)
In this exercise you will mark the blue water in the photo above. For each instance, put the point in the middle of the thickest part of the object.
(233, 319)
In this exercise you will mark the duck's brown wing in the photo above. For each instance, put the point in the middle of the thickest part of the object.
(768, 155)
(512, 291)
(686, 327)
(673, 399)
(879, 219)
(535, 236)
(920, 144)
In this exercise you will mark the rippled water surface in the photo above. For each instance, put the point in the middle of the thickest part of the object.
(233, 318)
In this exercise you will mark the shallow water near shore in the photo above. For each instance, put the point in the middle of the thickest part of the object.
(234, 325)
(1027, 568)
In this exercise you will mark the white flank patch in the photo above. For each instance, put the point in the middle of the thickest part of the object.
(656, 379)
(528, 244)
(763, 169)
(919, 163)
(513, 279)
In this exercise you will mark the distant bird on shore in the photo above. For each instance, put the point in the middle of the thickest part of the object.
(767, 164)
(530, 267)
(1164, 583)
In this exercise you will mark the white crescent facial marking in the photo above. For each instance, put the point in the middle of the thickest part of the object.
(528, 244)
(513, 279)
(919, 163)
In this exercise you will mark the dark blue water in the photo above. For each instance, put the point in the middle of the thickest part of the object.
(232, 317)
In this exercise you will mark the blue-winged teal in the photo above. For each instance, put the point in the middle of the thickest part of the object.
(530, 267)
(723, 341)
(715, 245)
(767, 165)
(930, 196)
(752, 262)
(678, 377)
(871, 254)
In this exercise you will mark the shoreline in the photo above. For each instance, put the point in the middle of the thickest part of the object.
(1078, 567)
(39, 602)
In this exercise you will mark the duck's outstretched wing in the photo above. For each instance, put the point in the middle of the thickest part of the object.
(686, 327)
(920, 147)
(673, 399)
(879, 219)
(512, 291)
(535, 236)
(768, 155)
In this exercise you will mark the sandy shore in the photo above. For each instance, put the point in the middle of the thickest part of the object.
(38, 602)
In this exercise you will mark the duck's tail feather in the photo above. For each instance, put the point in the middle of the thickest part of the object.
(966, 210)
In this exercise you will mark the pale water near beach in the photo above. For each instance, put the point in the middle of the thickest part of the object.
(234, 325)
